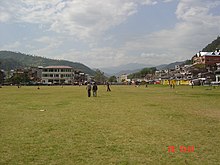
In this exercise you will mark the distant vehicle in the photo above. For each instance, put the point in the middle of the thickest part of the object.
(214, 83)
(207, 83)
(196, 82)
(157, 82)
(76, 83)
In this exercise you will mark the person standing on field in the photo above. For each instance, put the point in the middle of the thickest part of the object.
(108, 87)
(192, 84)
(89, 87)
(94, 89)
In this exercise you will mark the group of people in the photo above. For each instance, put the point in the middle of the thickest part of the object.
(94, 88)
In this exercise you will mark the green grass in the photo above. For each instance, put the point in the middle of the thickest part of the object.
(127, 126)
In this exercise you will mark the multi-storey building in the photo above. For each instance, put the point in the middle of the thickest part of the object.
(207, 59)
(57, 75)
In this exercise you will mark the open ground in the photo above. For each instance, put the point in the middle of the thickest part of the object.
(130, 125)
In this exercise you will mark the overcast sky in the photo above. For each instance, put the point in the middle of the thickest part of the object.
(103, 33)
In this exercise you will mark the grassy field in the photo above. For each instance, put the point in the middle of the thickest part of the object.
(128, 126)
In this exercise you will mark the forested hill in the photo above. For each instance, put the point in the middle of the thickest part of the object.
(212, 46)
(12, 60)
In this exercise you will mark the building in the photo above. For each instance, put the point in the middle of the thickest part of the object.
(57, 75)
(207, 59)
(81, 78)
(123, 78)
(35, 74)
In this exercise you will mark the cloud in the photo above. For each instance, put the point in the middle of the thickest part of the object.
(195, 29)
(196, 10)
(13, 46)
(168, 1)
(77, 22)
(82, 19)
(95, 57)
(47, 45)
(46, 40)
(149, 2)
(4, 15)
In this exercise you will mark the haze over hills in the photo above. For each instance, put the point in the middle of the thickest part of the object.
(127, 68)
(135, 67)
(169, 66)
(13, 60)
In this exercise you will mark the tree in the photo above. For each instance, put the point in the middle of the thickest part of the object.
(19, 78)
(1, 77)
(112, 79)
(99, 76)
(16, 79)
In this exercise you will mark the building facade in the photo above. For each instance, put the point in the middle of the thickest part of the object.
(57, 75)
(207, 59)
(123, 78)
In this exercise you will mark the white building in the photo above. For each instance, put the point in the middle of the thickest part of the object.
(123, 78)
(57, 75)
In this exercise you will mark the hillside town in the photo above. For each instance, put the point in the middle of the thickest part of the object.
(203, 70)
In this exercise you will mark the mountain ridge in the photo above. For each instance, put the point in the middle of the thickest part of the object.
(212, 46)
(15, 60)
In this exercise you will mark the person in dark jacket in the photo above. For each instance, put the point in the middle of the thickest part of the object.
(108, 87)
(89, 87)
(94, 89)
